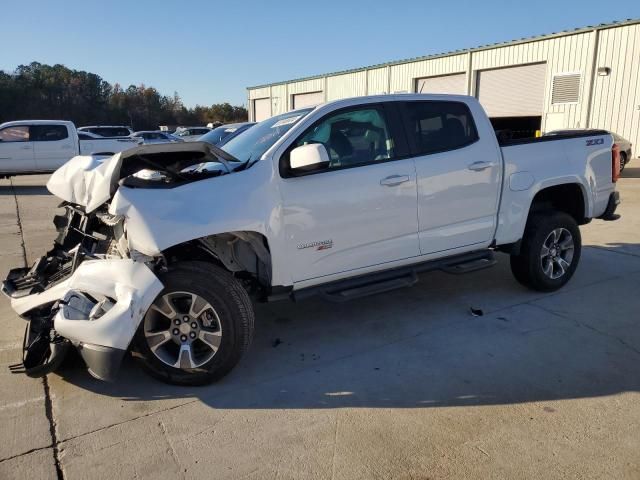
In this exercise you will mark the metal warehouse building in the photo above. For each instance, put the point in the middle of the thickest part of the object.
(584, 78)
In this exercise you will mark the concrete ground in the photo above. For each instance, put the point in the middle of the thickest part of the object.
(403, 385)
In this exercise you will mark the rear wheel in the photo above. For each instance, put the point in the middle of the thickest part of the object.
(198, 327)
(550, 251)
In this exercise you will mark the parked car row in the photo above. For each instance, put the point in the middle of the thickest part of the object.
(41, 146)
(156, 136)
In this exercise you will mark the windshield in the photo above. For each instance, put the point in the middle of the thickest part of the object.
(216, 135)
(254, 142)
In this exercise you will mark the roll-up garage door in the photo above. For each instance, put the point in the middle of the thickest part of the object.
(261, 109)
(453, 84)
(513, 91)
(301, 100)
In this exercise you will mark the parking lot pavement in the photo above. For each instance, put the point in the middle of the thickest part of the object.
(403, 385)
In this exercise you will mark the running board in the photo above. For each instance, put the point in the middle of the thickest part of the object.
(380, 282)
(471, 266)
(373, 288)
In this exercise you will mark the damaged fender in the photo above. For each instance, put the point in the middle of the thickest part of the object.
(102, 305)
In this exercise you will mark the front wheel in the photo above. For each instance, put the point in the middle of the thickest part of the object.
(198, 327)
(550, 252)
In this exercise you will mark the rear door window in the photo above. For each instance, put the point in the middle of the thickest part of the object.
(48, 133)
(435, 126)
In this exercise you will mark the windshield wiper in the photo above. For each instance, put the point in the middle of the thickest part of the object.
(221, 153)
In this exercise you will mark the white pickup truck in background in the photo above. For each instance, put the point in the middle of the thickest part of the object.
(350, 198)
(42, 146)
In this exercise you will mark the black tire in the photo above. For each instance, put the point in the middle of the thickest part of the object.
(527, 266)
(623, 161)
(234, 311)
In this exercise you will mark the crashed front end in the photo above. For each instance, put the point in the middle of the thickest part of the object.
(91, 290)
(84, 292)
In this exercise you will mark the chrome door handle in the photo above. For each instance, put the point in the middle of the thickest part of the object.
(26, 147)
(479, 166)
(394, 180)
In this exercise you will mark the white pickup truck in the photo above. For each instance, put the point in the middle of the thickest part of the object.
(41, 146)
(346, 199)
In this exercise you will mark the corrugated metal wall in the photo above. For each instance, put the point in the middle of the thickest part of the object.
(403, 76)
(378, 82)
(615, 98)
(345, 86)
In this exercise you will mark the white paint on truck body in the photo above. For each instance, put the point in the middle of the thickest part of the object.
(332, 224)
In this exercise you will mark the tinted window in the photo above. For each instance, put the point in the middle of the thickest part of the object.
(440, 126)
(354, 137)
(18, 133)
(153, 136)
(48, 133)
(216, 135)
(110, 131)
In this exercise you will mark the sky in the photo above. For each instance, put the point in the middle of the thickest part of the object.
(211, 51)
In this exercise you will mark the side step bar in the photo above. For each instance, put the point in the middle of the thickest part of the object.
(380, 282)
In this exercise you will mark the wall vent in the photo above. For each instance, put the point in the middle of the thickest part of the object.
(566, 88)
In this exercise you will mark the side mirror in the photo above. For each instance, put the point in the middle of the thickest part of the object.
(307, 158)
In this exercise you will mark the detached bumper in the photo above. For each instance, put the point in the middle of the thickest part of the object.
(100, 308)
(610, 212)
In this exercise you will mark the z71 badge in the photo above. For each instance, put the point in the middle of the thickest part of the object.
(595, 141)
(320, 245)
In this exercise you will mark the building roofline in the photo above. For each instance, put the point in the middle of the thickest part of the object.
(563, 33)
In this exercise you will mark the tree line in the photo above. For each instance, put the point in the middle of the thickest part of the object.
(38, 91)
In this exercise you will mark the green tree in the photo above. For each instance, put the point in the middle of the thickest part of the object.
(57, 92)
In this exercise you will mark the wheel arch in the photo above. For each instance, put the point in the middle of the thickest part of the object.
(565, 197)
(238, 252)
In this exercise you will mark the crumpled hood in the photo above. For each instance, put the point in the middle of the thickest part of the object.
(90, 181)
(86, 180)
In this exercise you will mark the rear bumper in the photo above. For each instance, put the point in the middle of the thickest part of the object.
(610, 212)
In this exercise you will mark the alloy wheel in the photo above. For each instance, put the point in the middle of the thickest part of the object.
(556, 254)
(182, 330)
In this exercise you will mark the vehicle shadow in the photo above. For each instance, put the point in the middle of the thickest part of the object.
(23, 190)
(422, 347)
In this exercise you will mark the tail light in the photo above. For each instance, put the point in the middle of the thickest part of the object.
(615, 162)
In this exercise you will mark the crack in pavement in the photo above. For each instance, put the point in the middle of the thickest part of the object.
(28, 452)
(48, 406)
(19, 221)
(588, 327)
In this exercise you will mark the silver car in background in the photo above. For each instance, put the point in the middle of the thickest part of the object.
(191, 134)
(156, 136)
(625, 145)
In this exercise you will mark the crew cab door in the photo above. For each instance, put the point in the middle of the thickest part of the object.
(53, 146)
(16, 150)
(360, 210)
(458, 176)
